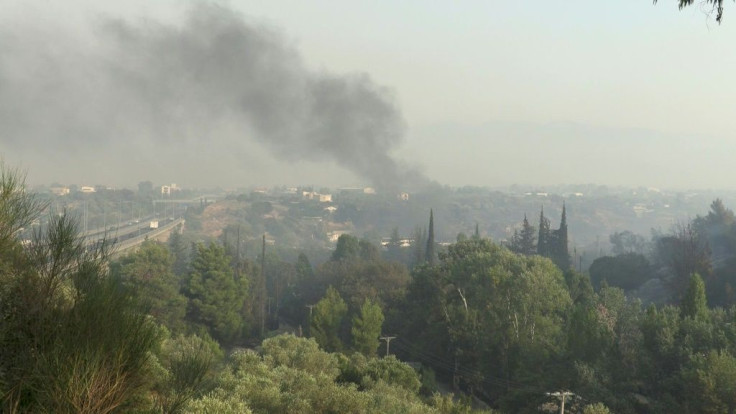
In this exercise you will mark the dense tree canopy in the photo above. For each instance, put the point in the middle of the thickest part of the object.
(492, 313)
(504, 328)
(292, 375)
(627, 271)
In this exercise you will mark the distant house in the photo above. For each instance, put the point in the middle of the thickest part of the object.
(168, 189)
(311, 195)
(404, 196)
(87, 189)
(60, 191)
(369, 190)
(334, 235)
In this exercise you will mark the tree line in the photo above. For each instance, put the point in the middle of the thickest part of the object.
(183, 327)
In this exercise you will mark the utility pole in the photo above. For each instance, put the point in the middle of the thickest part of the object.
(309, 322)
(388, 342)
(581, 262)
(561, 395)
(237, 249)
(263, 280)
(85, 218)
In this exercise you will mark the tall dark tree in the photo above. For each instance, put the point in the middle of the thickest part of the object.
(430, 253)
(304, 270)
(544, 235)
(348, 246)
(557, 248)
(627, 271)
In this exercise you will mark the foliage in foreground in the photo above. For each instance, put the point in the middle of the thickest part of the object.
(293, 375)
(71, 338)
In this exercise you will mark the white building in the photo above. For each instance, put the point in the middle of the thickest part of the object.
(60, 191)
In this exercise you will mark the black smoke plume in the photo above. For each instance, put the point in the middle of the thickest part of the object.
(140, 83)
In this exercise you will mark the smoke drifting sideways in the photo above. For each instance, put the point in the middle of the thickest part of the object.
(209, 86)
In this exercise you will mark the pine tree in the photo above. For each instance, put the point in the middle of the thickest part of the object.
(72, 339)
(216, 296)
(523, 242)
(476, 235)
(526, 238)
(147, 272)
(367, 328)
(326, 319)
(430, 253)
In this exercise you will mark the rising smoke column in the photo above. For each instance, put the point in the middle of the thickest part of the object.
(148, 81)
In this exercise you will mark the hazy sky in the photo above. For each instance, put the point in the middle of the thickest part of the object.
(491, 93)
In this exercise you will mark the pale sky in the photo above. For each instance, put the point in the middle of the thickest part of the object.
(492, 93)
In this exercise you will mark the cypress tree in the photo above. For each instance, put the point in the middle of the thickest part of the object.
(558, 250)
(544, 235)
(430, 254)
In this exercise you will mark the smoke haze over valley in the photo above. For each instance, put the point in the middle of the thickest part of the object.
(153, 96)
(238, 94)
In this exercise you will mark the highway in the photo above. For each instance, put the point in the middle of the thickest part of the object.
(133, 234)
(122, 245)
